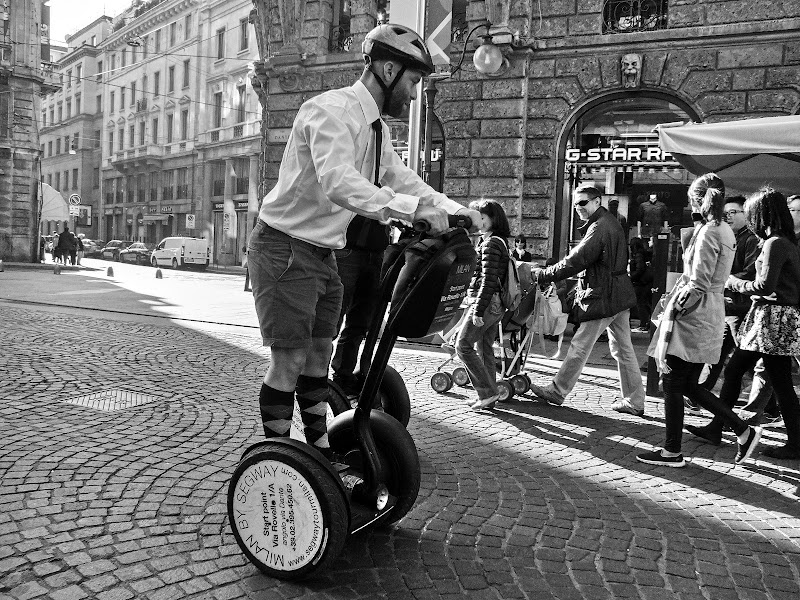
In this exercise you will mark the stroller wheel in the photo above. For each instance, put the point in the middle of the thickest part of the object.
(521, 384)
(506, 390)
(441, 382)
(460, 377)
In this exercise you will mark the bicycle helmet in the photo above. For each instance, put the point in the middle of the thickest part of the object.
(398, 43)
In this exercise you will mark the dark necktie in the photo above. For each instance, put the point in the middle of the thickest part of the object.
(376, 126)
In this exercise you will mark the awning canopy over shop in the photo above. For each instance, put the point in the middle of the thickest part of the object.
(745, 154)
(152, 218)
(54, 207)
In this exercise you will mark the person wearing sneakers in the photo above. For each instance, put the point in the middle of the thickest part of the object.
(771, 329)
(338, 162)
(603, 299)
(689, 331)
(485, 308)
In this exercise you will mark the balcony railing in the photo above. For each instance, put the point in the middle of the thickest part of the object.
(231, 132)
(628, 16)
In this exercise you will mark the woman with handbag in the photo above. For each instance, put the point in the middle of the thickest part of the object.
(690, 329)
(771, 329)
(484, 306)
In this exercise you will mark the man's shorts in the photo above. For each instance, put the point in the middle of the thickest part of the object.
(296, 287)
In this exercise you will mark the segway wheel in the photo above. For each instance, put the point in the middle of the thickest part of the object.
(441, 382)
(337, 399)
(393, 396)
(521, 384)
(287, 509)
(506, 390)
(460, 377)
(396, 451)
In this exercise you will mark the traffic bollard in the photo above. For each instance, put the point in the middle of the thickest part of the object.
(158, 274)
(2, 268)
(57, 270)
(110, 272)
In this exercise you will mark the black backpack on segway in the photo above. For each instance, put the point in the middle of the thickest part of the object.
(291, 509)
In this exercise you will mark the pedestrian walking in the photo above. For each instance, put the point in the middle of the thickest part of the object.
(338, 147)
(67, 245)
(246, 270)
(79, 249)
(642, 279)
(474, 343)
(747, 251)
(602, 301)
(56, 251)
(690, 329)
(771, 329)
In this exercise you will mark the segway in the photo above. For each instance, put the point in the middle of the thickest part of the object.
(289, 507)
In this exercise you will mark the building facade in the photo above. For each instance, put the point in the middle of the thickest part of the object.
(181, 126)
(581, 88)
(25, 72)
(70, 123)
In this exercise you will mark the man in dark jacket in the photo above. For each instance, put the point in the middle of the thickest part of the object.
(603, 298)
(67, 245)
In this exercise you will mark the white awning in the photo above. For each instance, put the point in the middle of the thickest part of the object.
(54, 207)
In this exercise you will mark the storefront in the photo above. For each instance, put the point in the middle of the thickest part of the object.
(612, 145)
(232, 228)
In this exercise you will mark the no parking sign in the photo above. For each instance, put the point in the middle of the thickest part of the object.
(190, 221)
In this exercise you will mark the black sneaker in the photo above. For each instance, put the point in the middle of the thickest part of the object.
(712, 437)
(656, 458)
(745, 451)
(784, 452)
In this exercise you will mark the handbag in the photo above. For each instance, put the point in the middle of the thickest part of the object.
(548, 318)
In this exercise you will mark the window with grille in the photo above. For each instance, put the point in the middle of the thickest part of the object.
(627, 16)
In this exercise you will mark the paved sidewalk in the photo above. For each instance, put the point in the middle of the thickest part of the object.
(528, 501)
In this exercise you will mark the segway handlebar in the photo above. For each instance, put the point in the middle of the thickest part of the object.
(464, 221)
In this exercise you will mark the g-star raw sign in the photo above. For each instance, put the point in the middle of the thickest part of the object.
(634, 154)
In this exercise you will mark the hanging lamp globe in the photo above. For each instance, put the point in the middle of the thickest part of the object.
(488, 59)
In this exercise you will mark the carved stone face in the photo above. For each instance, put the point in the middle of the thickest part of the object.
(631, 70)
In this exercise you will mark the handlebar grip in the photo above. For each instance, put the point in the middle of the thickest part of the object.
(464, 221)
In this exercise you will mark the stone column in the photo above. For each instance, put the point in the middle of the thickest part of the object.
(227, 251)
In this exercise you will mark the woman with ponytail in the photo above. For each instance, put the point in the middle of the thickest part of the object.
(690, 330)
(771, 329)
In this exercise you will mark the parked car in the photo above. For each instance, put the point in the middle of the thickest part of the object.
(90, 248)
(179, 252)
(138, 253)
(112, 249)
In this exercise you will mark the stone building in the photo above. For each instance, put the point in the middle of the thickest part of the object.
(583, 84)
(70, 126)
(25, 72)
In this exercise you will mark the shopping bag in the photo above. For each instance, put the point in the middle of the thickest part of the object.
(549, 318)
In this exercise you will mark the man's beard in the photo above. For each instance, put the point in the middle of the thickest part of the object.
(397, 107)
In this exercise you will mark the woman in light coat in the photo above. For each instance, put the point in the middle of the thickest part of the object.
(691, 328)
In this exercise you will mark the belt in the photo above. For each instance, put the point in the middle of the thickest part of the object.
(317, 251)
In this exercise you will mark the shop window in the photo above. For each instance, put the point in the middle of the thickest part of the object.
(626, 16)
(614, 148)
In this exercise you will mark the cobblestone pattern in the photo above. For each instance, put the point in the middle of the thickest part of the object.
(531, 501)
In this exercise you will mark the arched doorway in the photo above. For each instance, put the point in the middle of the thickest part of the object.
(610, 142)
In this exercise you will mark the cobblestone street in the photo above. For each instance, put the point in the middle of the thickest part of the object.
(530, 501)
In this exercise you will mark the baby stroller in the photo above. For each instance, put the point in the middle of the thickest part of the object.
(539, 312)
(442, 381)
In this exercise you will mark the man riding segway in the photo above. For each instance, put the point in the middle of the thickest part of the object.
(337, 158)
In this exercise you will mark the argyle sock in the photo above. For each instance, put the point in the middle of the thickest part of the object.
(276, 411)
(312, 398)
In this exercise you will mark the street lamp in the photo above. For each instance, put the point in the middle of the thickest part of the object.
(488, 59)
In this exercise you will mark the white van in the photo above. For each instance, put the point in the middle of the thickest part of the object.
(179, 252)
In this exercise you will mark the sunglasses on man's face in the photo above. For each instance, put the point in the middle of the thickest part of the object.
(581, 203)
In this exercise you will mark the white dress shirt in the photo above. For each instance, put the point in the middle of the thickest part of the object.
(327, 170)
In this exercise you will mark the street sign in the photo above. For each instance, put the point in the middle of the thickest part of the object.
(189, 221)
(74, 199)
(226, 222)
(74, 211)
